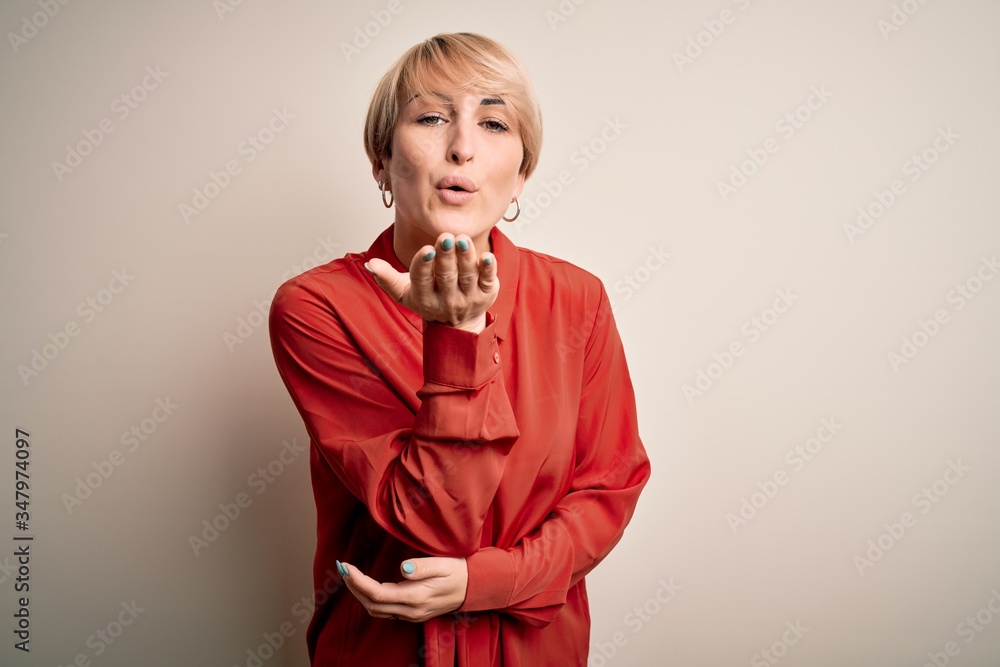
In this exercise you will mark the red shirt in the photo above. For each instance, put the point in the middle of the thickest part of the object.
(516, 448)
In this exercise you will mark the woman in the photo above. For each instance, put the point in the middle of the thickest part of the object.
(474, 448)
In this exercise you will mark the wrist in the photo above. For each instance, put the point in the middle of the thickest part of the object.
(475, 326)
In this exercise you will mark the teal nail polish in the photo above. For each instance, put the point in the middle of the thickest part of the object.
(429, 256)
(447, 244)
(463, 245)
(409, 567)
(488, 261)
(342, 569)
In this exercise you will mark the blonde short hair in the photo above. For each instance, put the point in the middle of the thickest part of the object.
(468, 62)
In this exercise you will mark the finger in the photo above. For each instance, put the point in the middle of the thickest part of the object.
(445, 263)
(416, 569)
(422, 272)
(362, 586)
(468, 268)
(488, 280)
(394, 283)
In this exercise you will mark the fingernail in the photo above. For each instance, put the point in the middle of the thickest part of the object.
(429, 256)
(342, 569)
(487, 261)
(409, 567)
(463, 245)
(447, 244)
(369, 269)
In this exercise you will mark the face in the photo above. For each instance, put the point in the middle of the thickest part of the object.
(454, 167)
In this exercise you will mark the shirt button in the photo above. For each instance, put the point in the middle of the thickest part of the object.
(496, 357)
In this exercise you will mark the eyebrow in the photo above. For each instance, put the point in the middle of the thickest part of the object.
(486, 101)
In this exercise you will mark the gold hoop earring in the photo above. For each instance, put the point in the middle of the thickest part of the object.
(392, 197)
(514, 201)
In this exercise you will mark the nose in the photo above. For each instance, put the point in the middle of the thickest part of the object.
(460, 146)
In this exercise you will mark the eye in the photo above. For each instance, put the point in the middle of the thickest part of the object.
(494, 125)
(423, 120)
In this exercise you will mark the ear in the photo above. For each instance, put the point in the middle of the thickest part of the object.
(519, 186)
(380, 170)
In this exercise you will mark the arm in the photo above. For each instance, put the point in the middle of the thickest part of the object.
(530, 581)
(413, 473)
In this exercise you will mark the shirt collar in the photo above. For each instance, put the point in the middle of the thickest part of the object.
(508, 266)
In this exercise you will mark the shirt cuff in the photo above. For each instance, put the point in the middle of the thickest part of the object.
(458, 358)
(491, 580)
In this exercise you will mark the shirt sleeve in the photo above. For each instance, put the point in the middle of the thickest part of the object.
(531, 580)
(428, 479)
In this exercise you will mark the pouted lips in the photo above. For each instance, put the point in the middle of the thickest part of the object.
(456, 190)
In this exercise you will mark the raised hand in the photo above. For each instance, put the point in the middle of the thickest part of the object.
(446, 283)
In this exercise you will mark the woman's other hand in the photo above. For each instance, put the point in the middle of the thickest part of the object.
(447, 283)
(435, 586)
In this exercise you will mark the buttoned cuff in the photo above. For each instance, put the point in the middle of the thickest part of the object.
(458, 358)
(491, 580)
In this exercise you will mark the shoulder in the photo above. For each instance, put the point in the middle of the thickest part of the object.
(559, 277)
(320, 288)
